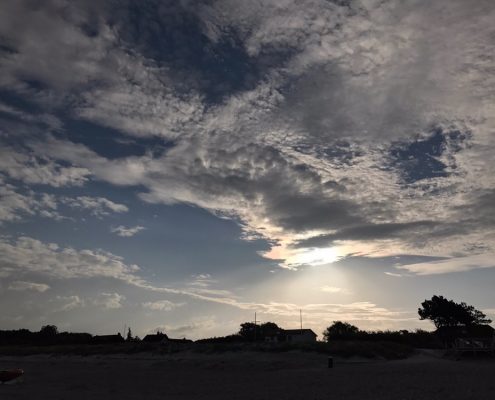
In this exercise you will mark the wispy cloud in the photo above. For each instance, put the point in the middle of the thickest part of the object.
(127, 232)
(67, 263)
(110, 301)
(36, 169)
(161, 305)
(15, 204)
(196, 328)
(23, 285)
(458, 264)
(202, 280)
(334, 289)
(28, 255)
(69, 302)
(394, 274)
(98, 206)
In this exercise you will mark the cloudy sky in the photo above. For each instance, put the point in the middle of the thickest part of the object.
(184, 164)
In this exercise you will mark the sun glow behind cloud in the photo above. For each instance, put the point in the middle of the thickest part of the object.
(314, 256)
(293, 258)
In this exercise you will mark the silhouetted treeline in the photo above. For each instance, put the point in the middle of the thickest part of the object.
(48, 335)
(418, 338)
(223, 339)
(248, 332)
(18, 337)
(444, 336)
(344, 331)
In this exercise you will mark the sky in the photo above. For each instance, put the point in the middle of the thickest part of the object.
(182, 165)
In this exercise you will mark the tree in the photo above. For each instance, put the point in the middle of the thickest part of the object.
(447, 313)
(49, 331)
(247, 331)
(129, 337)
(48, 334)
(251, 332)
(340, 330)
(269, 329)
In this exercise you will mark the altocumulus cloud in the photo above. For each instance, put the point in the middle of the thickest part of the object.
(109, 301)
(127, 231)
(289, 156)
(16, 205)
(32, 169)
(98, 206)
(28, 255)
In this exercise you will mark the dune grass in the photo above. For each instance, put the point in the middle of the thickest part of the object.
(341, 348)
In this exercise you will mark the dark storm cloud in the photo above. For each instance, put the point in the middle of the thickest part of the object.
(355, 261)
(299, 212)
(480, 212)
(371, 232)
(289, 195)
(485, 207)
(34, 29)
(328, 103)
(172, 34)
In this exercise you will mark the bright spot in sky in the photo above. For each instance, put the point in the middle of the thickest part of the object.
(314, 256)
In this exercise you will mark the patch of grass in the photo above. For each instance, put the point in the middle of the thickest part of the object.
(81, 350)
(342, 348)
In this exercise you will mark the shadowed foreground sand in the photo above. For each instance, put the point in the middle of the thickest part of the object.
(247, 375)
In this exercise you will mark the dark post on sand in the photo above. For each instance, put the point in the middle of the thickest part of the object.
(330, 362)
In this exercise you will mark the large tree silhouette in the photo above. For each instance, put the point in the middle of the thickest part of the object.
(340, 330)
(447, 313)
(251, 332)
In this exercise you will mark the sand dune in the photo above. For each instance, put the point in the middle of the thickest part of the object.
(248, 375)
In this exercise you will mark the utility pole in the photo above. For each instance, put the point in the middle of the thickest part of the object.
(255, 326)
(300, 318)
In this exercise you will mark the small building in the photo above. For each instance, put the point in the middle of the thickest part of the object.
(156, 338)
(299, 335)
(107, 339)
(450, 335)
(291, 336)
(273, 337)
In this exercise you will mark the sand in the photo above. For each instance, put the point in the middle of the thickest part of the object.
(248, 375)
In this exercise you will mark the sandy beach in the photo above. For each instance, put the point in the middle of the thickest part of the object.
(248, 375)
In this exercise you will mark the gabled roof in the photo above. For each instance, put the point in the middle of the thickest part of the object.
(155, 337)
(299, 331)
